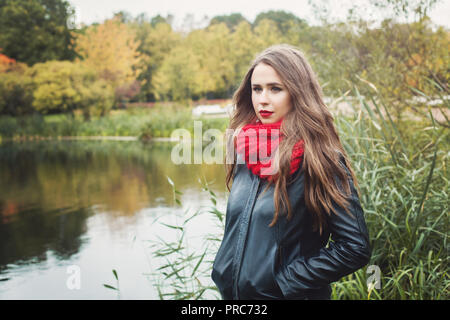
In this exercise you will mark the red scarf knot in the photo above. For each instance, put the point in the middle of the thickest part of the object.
(258, 142)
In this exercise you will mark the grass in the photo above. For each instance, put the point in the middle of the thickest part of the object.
(145, 123)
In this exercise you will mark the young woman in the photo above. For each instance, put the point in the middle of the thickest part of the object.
(294, 222)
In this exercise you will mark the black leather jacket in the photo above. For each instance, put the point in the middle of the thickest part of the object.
(288, 260)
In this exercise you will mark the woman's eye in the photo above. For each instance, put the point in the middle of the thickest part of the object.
(276, 89)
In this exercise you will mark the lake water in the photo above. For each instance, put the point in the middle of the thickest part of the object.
(79, 209)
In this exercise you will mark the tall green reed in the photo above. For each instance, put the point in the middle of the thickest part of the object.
(184, 271)
(403, 177)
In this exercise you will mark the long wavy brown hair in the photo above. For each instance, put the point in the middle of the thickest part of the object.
(310, 120)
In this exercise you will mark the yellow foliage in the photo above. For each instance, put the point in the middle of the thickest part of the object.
(110, 49)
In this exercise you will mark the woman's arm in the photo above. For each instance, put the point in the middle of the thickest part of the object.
(348, 251)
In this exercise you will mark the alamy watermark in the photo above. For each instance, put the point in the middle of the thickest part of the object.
(374, 280)
(73, 282)
(216, 141)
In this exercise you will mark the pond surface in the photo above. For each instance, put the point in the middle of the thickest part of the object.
(83, 208)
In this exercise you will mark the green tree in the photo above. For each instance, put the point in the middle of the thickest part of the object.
(179, 76)
(243, 50)
(155, 43)
(36, 30)
(213, 47)
(231, 20)
(160, 19)
(283, 20)
(200, 65)
(266, 33)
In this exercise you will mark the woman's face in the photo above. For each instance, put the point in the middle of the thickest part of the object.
(270, 97)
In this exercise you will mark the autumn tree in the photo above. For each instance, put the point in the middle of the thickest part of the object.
(6, 63)
(15, 88)
(111, 49)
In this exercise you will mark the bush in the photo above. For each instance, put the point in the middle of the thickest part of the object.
(98, 99)
(63, 86)
(8, 126)
(15, 94)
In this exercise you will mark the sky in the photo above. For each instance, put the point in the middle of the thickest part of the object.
(89, 11)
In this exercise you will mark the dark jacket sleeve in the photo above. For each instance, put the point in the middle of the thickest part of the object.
(348, 251)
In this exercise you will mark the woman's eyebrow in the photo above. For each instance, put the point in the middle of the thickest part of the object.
(269, 84)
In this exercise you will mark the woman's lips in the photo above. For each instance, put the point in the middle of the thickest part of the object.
(265, 114)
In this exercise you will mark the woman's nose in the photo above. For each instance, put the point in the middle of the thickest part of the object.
(263, 98)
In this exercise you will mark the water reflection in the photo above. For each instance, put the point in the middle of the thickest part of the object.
(34, 231)
(61, 201)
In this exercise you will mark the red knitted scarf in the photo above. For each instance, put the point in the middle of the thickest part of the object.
(256, 142)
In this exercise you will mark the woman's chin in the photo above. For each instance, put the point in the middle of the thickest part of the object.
(268, 120)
